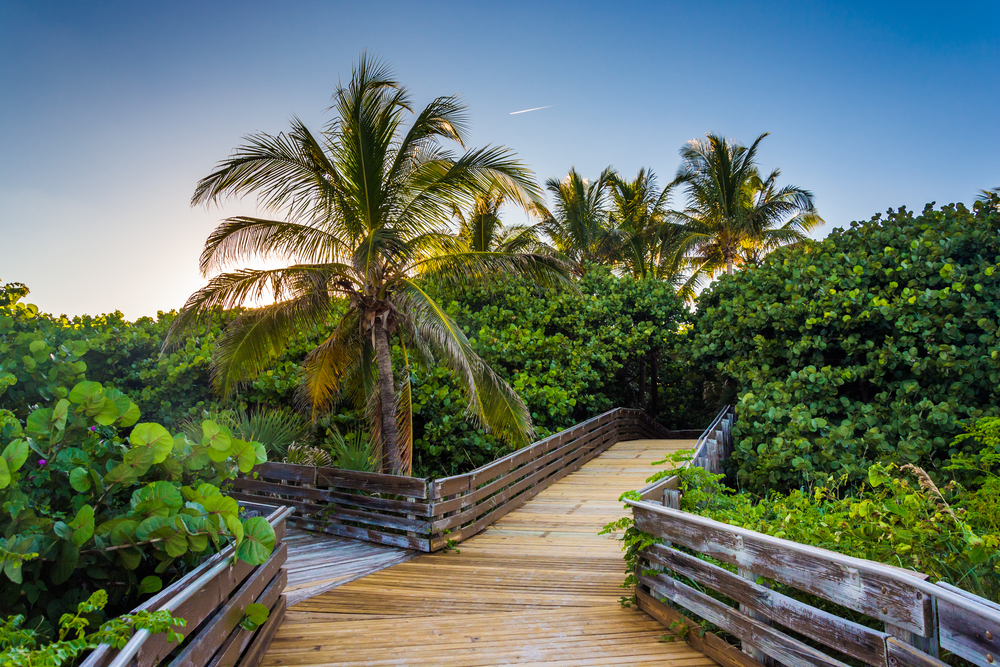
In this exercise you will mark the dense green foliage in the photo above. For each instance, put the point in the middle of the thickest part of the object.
(21, 647)
(84, 508)
(876, 344)
(897, 516)
(90, 498)
(571, 355)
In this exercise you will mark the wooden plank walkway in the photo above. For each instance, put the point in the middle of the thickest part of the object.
(318, 562)
(539, 587)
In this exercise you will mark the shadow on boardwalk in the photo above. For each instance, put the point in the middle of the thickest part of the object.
(538, 587)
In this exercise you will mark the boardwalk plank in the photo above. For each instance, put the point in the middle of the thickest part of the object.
(538, 587)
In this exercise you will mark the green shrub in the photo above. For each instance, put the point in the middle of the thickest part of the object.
(83, 508)
(875, 344)
(570, 355)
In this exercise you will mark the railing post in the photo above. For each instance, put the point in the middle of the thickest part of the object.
(928, 645)
(749, 649)
(712, 455)
(672, 498)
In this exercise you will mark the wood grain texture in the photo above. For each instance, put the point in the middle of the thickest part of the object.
(710, 644)
(783, 648)
(318, 562)
(538, 587)
(968, 634)
(904, 655)
(883, 596)
(851, 638)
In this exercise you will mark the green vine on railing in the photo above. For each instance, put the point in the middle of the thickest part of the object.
(633, 541)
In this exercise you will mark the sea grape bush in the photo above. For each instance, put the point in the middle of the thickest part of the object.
(83, 507)
(875, 344)
(570, 354)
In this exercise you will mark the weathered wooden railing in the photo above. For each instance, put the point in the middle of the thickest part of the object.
(714, 445)
(423, 514)
(919, 618)
(212, 599)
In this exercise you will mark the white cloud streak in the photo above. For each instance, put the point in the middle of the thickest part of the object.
(514, 113)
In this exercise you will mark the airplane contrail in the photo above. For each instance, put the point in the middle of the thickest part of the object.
(513, 113)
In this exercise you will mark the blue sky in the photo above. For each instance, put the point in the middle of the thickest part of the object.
(112, 111)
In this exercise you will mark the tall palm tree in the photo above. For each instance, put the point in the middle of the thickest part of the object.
(733, 216)
(578, 222)
(647, 237)
(363, 205)
(482, 230)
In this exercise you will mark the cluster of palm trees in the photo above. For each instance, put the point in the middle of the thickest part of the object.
(364, 212)
(733, 217)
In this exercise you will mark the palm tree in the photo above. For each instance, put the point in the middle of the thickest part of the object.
(363, 204)
(578, 222)
(482, 230)
(733, 216)
(646, 235)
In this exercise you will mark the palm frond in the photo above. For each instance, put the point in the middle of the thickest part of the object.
(249, 345)
(492, 402)
(486, 268)
(301, 283)
(245, 238)
(329, 364)
(275, 428)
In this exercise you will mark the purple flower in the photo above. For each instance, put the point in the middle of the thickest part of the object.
(41, 462)
(93, 428)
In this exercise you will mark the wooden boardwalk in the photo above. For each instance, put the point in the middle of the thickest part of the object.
(318, 562)
(539, 587)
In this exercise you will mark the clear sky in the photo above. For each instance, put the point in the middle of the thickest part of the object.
(111, 111)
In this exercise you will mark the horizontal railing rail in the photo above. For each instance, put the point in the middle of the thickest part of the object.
(427, 515)
(918, 618)
(212, 599)
(714, 445)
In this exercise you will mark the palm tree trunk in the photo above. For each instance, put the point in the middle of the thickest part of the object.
(729, 265)
(387, 394)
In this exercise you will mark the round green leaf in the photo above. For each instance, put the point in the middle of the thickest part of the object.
(254, 616)
(215, 436)
(176, 545)
(79, 479)
(39, 422)
(219, 504)
(235, 527)
(244, 454)
(130, 416)
(164, 492)
(151, 525)
(60, 413)
(65, 564)
(107, 414)
(258, 541)
(85, 392)
(155, 437)
(4, 474)
(16, 453)
(83, 525)
(150, 584)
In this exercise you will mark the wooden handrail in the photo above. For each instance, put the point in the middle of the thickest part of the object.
(219, 579)
(921, 618)
(428, 515)
(655, 490)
